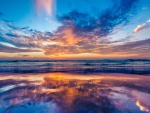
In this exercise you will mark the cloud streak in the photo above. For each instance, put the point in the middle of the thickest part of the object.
(46, 5)
(141, 27)
(148, 20)
(7, 49)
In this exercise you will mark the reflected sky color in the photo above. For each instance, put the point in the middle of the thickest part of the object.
(65, 93)
(142, 106)
(68, 29)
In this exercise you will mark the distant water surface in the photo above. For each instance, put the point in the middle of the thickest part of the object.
(77, 66)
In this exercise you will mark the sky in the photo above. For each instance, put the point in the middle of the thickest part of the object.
(74, 29)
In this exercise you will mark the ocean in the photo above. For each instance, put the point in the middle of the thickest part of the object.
(75, 86)
(128, 66)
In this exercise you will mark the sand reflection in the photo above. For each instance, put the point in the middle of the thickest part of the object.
(69, 93)
(143, 106)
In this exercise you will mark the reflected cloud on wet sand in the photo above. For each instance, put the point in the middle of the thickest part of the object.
(70, 93)
(143, 107)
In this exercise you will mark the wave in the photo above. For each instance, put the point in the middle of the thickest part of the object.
(130, 66)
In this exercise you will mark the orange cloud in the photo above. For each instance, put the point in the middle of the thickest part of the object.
(141, 27)
(47, 5)
(70, 38)
(66, 37)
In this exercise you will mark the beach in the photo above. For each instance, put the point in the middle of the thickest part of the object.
(74, 56)
(59, 92)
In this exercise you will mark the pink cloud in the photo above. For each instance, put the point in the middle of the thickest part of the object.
(46, 5)
(140, 27)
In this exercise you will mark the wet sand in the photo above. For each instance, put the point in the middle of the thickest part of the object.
(74, 93)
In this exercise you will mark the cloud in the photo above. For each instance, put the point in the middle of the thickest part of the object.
(11, 35)
(101, 25)
(65, 36)
(148, 20)
(48, 20)
(47, 5)
(137, 47)
(23, 55)
(144, 8)
(7, 49)
(141, 27)
(80, 33)
(23, 37)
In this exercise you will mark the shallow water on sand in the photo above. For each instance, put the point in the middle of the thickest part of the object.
(74, 93)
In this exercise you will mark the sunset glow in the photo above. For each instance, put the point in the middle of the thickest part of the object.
(74, 56)
(55, 29)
